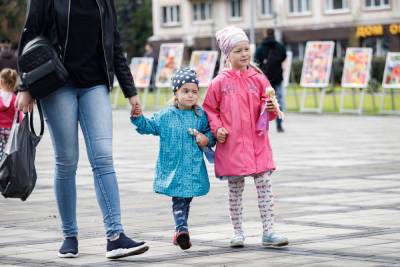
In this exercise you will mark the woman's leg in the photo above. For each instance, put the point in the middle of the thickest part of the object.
(95, 117)
(61, 113)
(265, 201)
(236, 187)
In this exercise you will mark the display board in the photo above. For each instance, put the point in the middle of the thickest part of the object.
(169, 61)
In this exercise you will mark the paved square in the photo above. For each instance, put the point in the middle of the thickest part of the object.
(337, 193)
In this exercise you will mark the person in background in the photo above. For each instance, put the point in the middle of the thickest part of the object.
(269, 57)
(149, 52)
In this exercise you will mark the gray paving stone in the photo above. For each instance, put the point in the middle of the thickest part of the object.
(336, 189)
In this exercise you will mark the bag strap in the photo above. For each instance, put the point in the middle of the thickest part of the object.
(41, 120)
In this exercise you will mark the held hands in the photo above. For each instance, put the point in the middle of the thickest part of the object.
(201, 139)
(222, 134)
(136, 109)
(24, 101)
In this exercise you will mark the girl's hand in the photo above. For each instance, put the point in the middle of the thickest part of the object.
(270, 105)
(24, 101)
(222, 134)
(201, 139)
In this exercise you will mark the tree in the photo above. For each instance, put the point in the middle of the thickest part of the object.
(134, 24)
(12, 18)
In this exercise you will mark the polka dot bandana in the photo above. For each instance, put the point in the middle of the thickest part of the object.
(183, 76)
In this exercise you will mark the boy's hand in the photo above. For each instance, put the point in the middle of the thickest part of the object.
(201, 139)
(137, 112)
(222, 134)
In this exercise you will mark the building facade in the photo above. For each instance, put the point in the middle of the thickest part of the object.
(372, 23)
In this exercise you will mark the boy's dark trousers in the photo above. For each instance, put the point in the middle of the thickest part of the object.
(180, 210)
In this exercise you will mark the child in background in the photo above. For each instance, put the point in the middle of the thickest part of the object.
(233, 104)
(183, 129)
(8, 81)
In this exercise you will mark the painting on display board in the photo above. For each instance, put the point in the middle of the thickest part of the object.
(141, 69)
(169, 61)
(357, 65)
(317, 64)
(203, 62)
(391, 76)
(286, 67)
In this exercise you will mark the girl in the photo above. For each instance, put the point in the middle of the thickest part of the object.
(233, 104)
(183, 129)
(8, 81)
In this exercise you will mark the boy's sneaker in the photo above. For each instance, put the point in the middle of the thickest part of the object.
(69, 248)
(274, 240)
(182, 239)
(237, 240)
(124, 247)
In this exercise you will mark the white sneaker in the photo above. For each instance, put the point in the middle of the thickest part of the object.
(237, 240)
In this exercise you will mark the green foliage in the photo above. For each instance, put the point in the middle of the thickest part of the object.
(12, 18)
(134, 24)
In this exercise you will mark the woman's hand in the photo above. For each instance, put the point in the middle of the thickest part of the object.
(222, 134)
(137, 112)
(24, 101)
(135, 103)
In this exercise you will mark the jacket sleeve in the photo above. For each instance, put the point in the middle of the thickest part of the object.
(121, 67)
(205, 129)
(37, 21)
(147, 126)
(272, 115)
(211, 106)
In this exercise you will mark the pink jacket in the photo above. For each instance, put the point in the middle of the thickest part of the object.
(234, 100)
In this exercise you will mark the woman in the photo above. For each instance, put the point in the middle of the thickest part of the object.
(89, 45)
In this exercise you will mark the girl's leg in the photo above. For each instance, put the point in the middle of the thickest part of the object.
(180, 210)
(236, 187)
(95, 117)
(265, 201)
(61, 113)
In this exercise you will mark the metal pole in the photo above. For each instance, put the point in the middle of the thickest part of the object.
(251, 16)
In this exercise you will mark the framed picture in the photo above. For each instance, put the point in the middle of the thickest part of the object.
(317, 64)
(203, 62)
(169, 61)
(141, 69)
(391, 76)
(286, 67)
(357, 65)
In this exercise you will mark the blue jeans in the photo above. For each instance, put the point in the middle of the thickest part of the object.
(91, 108)
(281, 100)
(180, 209)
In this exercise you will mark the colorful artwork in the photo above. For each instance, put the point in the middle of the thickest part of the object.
(391, 77)
(169, 61)
(141, 69)
(203, 62)
(357, 66)
(317, 64)
(286, 67)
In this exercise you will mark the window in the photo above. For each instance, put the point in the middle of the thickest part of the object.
(171, 15)
(299, 6)
(377, 3)
(336, 5)
(202, 11)
(266, 8)
(236, 8)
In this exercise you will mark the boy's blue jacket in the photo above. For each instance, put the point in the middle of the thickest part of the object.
(180, 170)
